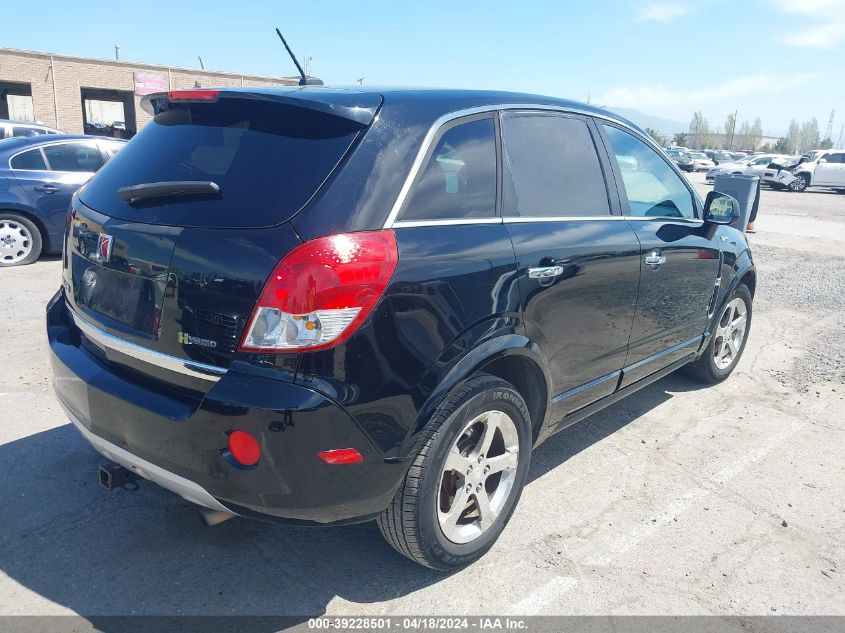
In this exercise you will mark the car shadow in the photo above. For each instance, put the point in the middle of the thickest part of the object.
(148, 553)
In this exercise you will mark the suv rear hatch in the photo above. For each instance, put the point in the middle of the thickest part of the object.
(170, 244)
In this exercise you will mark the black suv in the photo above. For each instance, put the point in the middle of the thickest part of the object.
(330, 306)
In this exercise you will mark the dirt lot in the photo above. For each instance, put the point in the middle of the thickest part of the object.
(679, 500)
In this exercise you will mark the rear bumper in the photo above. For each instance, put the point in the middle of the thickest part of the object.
(174, 437)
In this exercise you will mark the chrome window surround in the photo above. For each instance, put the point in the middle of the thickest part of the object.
(433, 131)
(184, 366)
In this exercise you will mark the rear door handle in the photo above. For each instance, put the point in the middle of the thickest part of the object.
(48, 188)
(655, 259)
(545, 272)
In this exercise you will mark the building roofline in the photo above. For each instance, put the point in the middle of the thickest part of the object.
(131, 64)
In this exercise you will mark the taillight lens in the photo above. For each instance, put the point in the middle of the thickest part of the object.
(320, 292)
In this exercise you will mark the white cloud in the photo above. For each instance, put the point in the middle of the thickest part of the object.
(663, 12)
(827, 29)
(826, 37)
(657, 96)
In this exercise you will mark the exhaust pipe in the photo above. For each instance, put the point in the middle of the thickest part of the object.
(216, 517)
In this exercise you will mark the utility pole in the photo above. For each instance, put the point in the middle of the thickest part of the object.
(117, 52)
(202, 65)
(828, 133)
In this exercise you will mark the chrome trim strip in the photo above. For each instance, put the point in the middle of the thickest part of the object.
(183, 487)
(670, 350)
(184, 366)
(572, 218)
(412, 223)
(391, 221)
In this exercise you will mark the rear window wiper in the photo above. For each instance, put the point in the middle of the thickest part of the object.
(170, 189)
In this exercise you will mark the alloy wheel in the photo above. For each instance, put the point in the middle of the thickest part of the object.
(478, 476)
(15, 242)
(730, 333)
(798, 184)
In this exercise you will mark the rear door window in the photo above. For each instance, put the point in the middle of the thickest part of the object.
(84, 157)
(458, 180)
(267, 158)
(32, 159)
(551, 167)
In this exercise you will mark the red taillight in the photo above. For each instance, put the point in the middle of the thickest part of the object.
(320, 292)
(341, 456)
(244, 448)
(193, 95)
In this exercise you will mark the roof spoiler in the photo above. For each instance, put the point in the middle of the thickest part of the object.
(354, 106)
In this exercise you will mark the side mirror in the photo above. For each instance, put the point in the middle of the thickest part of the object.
(720, 208)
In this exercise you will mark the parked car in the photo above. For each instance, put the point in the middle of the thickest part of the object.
(826, 170)
(751, 166)
(682, 159)
(721, 157)
(11, 129)
(39, 174)
(313, 339)
(700, 161)
(780, 169)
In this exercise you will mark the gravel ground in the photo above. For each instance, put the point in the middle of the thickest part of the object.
(678, 500)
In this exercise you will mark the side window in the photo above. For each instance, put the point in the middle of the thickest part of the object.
(112, 148)
(652, 186)
(551, 167)
(459, 178)
(25, 131)
(835, 158)
(762, 161)
(28, 160)
(73, 157)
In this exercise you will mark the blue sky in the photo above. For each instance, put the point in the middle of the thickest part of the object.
(777, 59)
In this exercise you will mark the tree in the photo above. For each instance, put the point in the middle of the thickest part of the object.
(755, 136)
(809, 135)
(658, 137)
(783, 146)
(793, 137)
(680, 138)
(742, 136)
(699, 131)
(768, 149)
(826, 144)
(730, 128)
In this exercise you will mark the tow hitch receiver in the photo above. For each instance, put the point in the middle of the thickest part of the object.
(116, 476)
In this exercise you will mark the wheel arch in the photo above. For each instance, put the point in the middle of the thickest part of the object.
(46, 246)
(511, 357)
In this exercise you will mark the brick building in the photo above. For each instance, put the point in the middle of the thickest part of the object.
(96, 96)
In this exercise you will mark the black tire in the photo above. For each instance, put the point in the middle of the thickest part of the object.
(410, 523)
(7, 257)
(801, 182)
(705, 368)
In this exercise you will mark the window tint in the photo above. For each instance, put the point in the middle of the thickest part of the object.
(551, 167)
(267, 158)
(835, 158)
(26, 131)
(653, 188)
(28, 160)
(73, 157)
(459, 179)
(113, 148)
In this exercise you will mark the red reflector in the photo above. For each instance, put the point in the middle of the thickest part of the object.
(244, 448)
(341, 456)
(193, 95)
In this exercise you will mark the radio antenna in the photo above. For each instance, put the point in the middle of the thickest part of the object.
(303, 79)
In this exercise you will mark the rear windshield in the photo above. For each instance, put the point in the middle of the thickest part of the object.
(267, 158)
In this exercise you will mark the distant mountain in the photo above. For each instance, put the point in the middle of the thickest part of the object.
(667, 126)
